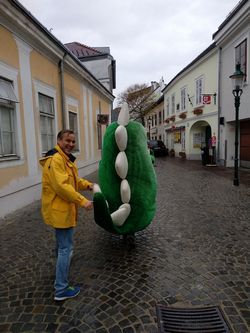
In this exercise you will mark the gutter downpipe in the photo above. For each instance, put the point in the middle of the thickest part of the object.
(61, 73)
(219, 106)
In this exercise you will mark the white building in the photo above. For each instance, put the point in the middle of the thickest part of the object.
(232, 39)
(98, 61)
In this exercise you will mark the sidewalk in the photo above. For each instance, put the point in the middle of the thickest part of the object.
(244, 173)
(195, 253)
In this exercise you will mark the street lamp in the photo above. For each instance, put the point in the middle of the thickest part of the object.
(237, 82)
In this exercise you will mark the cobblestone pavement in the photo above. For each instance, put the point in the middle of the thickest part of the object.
(195, 253)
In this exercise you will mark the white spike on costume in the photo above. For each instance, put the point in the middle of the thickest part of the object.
(121, 214)
(125, 191)
(121, 165)
(123, 118)
(96, 188)
(121, 137)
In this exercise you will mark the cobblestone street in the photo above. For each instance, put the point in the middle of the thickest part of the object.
(195, 253)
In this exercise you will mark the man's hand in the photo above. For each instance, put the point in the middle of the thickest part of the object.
(88, 205)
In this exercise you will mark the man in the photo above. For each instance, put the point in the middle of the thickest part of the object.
(60, 201)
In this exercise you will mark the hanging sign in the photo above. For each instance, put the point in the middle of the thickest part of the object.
(103, 119)
(213, 141)
(206, 99)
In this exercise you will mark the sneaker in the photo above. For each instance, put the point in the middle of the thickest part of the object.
(70, 292)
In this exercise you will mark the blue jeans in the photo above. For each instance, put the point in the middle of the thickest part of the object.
(64, 250)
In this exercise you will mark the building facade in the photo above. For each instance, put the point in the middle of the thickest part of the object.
(43, 88)
(98, 61)
(191, 108)
(199, 109)
(155, 120)
(232, 39)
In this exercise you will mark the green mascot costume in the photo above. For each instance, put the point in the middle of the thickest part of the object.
(125, 202)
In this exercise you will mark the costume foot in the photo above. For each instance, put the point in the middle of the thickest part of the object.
(129, 240)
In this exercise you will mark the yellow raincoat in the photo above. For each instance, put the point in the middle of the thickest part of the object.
(60, 186)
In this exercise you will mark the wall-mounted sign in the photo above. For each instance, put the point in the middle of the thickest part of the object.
(213, 141)
(206, 99)
(177, 137)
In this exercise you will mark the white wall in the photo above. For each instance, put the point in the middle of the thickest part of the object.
(227, 131)
(100, 69)
(207, 67)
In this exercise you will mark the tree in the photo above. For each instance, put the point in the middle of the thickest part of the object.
(138, 97)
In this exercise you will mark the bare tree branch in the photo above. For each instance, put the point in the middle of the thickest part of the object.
(138, 97)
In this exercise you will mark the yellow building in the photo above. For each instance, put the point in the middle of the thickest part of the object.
(43, 88)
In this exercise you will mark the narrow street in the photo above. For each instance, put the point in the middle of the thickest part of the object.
(195, 253)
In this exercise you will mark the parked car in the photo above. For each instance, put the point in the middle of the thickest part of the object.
(158, 147)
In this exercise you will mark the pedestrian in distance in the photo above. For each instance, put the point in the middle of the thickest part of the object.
(60, 202)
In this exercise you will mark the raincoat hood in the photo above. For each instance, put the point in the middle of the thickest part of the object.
(53, 151)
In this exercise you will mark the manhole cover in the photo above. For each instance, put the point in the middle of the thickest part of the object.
(199, 320)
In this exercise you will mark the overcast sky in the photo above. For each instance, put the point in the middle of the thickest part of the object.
(149, 39)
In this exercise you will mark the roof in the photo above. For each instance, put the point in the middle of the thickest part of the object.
(48, 33)
(144, 91)
(81, 50)
(239, 5)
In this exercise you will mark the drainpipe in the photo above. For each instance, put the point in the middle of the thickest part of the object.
(219, 106)
(61, 73)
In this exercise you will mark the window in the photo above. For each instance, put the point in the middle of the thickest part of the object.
(155, 119)
(7, 130)
(47, 119)
(167, 107)
(73, 125)
(99, 128)
(99, 136)
(241, 56)
(183, 99)
(198, 91)
(7, 119)
(72, 106)
(160, 117)
(173, 103)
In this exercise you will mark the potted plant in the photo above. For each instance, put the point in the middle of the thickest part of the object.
(183, 115)
(172, 153)
(166, 120)
(197, 111)
(172, 118)
(182, 154)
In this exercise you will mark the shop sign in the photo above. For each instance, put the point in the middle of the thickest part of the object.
(177, 137)
(206, 99)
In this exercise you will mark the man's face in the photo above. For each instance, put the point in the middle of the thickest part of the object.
(67, 143)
